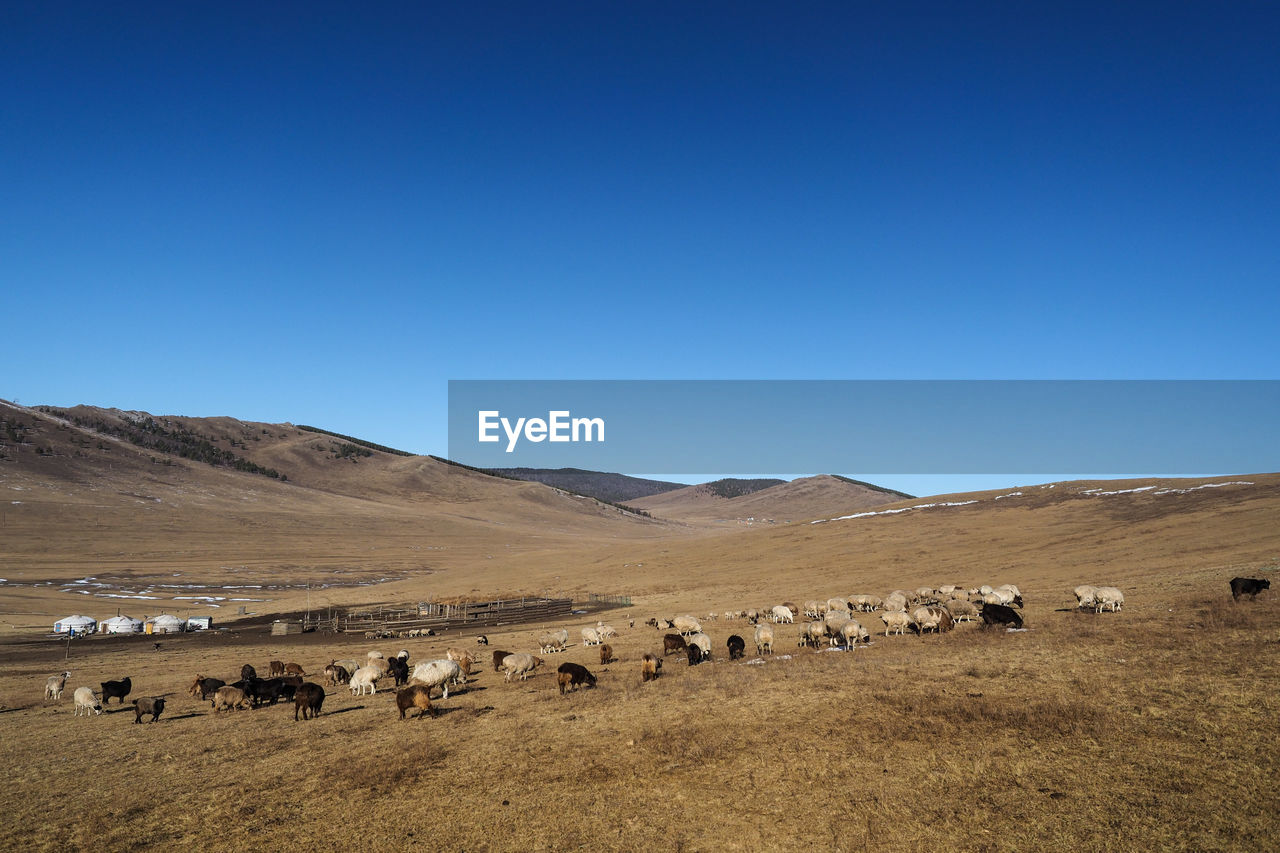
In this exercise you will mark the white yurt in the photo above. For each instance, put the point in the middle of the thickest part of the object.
(165, 625)
(121, 625)
(75, 624)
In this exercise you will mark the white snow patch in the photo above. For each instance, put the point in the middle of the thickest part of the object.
(1097, 493)
(893, 511)
(1201, 486)
(1010, 495)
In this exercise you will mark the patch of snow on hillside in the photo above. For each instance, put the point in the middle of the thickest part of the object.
(1201, 486)
(1010, 495)
(1097, 493)
(893, 511)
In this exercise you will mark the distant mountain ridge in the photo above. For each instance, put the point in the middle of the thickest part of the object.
(602, 485)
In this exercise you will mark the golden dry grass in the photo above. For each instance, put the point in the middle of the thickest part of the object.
(1153, 727)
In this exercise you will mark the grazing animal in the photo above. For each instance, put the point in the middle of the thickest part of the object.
(143, 706)
(336, 674)
(261, 690)
(591, 637)
(229, 697)
(1085, 595)
(695, 654)
(204, 687)
(1248, 586)
(365, 676)
(54, 686)
(703, 642)
(1000, 614)
(415, 696)
(737, 647)
(498, 656)
(895, 621)
(294, 669)
(275, 668)
(308, 698)
(687, 625)
(398, 669)
(482, 640)
(782, 613)
(520, 664)
(119, 689)
(463, 658)
(925, 618)
(606, 654)
(672, 643)
(1108, 598)
(961, 610)
(554, 642)
(764, 638)
(606, 631)
(86, 701)
(247, 671)
(814, 634)
(439, 673)
(649, 666)
(573, 675)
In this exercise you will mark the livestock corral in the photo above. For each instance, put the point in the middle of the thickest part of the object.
(1146, 724)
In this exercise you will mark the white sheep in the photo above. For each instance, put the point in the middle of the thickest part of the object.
(895, 602)
(895, 620)
(1108, 598)
(548, 643)
(606, 631)
(764, 638)
(814, 634)
(1085, 595)
(851, 632)
(925, 618)
(687, 625)
(438, 673)
(520, 664)
(811, 609)
(86, 701)
(837, 604)
(365, 676)
(962, 610)
(782, 613)
(55, 685)
(590, 637)
(703, 642)
(374, 655)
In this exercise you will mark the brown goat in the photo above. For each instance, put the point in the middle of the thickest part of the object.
(415, 696)
(498, 655)
(606, 654)
(649, 666)
(274, 668)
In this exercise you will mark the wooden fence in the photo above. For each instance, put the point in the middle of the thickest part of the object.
(443, 617)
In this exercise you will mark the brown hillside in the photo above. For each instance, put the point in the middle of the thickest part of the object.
(799, 500)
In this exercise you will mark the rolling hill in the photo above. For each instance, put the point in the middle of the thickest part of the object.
(735, 502)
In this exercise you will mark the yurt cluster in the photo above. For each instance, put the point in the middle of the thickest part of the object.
(78, 625)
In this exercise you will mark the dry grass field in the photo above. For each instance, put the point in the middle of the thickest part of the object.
(1151, 728)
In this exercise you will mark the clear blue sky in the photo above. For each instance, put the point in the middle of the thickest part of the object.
(321, 213)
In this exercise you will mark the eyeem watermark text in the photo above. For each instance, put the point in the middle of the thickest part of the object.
(558, 426)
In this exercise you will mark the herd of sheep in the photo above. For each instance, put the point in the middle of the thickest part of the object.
(830, 623)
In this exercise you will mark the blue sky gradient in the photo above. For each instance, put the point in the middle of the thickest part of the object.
(317, 213)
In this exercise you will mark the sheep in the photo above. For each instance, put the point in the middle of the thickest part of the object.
(462, 657)
(895, 602)
(606, 631)
(703, 642)
(962, 610)
(118, 689)
(336, 674)
(896, 621)
(866, 603)
(814, 633)
(1108, 598)
(86, 701)
(143, 706)
(737, 646)
(374, 655)
(365, 676)
(782, 613)
(415, 696)
(649, 666)
(850, 633)
(439, 673)
(606, 654)
(482, 640)
(943, 616)
(403, 654)
(590, 637)
(687, 625)
(1085, 595)
(54, 686)
(924, 593)
(520, 664)
(573, 675)
(764, 638)
(382, 665)
(752, 616)
(229, 697)
(308, 698)
(247, 671)
(945, 591)
(498, 656)
(924, 619)
(837, 603)
(673, 643)
(811, 609)
(349, 665)
(205, 687)
(274, 668)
